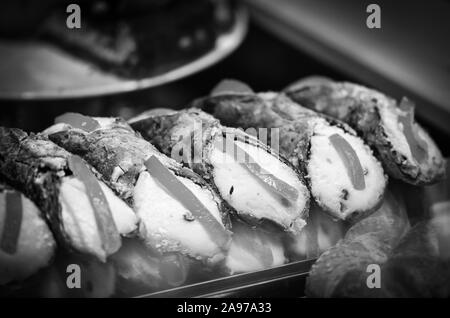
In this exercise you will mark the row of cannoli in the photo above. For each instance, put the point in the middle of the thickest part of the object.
(389, 126)
(187, 182)
(341, 135)
(92, 181)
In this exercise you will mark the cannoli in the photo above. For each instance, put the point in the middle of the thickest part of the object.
(406, 150)
(344, 177)
(344, 268)
(179, 212)
(259, 184)
(83, 213)
(26, 242)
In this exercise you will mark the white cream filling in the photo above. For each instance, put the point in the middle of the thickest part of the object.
(151, 113)
(55, 129)
(244, 192)
(389, 118)
(328, 173)
(434, 154)
(35, 245)
(163, 219)
(268, 95)
(105, 122)
(394, 131)
(79, 219)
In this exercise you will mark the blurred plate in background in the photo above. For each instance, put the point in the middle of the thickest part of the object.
(35, 70)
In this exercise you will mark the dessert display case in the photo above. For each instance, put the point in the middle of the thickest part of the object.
(264, 45)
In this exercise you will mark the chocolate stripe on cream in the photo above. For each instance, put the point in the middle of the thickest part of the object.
(12, 222)
(108, 232)
(177, 189)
